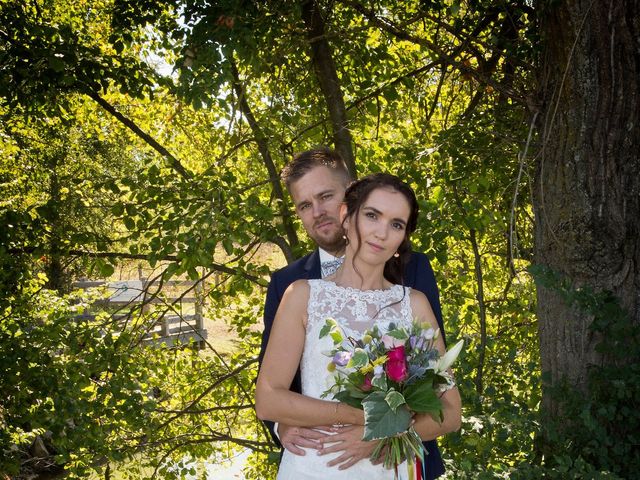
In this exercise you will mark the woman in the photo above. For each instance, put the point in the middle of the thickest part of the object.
(378, 215)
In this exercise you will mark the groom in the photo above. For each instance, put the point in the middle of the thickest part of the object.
(316, 180)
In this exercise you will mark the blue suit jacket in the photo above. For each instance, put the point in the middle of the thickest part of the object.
(418, 275)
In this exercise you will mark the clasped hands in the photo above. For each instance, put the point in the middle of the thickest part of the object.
(329, 439)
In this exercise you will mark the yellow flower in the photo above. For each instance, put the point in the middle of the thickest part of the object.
(368, 368)
(380, 361)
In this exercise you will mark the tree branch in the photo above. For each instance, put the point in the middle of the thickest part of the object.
(171, 258)
(389, 27)
(372, 94)
(325, 68)
(263, 147)
(131, 125)
(477, 261)
(208, 390)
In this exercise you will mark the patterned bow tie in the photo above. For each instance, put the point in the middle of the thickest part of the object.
(330, 266)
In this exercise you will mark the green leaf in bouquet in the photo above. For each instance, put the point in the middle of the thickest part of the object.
(356, 392)
(359, 359)
(439, 380)
(336, 335)
(398, 333)
(345, 397)
(380, 382)
(380, 420)
(324, 331)
(394, 399)
(421, 398)
(356, 378)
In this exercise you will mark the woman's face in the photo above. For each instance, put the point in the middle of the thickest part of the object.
(382, 222)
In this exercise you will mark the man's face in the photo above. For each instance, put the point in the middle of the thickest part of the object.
(317, 197)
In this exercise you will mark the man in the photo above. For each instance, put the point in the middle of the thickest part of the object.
(316, 180)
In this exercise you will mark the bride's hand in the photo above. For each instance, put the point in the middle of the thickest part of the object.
(347, 440)
(292, 438)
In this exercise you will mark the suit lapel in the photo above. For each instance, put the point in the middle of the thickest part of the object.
(312, 265)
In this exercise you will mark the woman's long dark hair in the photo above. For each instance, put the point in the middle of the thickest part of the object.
(355, 196)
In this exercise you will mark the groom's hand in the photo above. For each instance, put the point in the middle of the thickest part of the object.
(349, 441)
(292, 438)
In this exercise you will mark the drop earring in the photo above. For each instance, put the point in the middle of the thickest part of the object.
(396, 255)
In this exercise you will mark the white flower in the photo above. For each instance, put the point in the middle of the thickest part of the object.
(391, 342)
(448, 358)
(429, 333)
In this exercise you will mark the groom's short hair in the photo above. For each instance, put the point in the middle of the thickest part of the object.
(306, 161)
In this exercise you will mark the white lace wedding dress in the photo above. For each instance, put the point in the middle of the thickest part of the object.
(356, 311)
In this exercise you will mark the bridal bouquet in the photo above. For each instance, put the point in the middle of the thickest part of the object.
(390, 376)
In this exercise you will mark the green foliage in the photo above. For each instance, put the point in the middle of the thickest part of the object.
(433, 93)
(67, 381)
(93, 393)
(478, 229)
(401, 104)
(59, 47)
(386, 419)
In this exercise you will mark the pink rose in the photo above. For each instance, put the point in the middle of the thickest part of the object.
(366, 385)
(396, 365)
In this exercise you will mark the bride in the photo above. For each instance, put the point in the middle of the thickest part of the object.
(379, 213)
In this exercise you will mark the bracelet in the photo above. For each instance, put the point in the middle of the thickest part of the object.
(337, 423)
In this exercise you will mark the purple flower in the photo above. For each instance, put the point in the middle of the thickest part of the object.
(416, 342)
(342, 358)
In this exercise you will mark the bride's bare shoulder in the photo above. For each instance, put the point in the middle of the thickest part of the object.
(298, 290)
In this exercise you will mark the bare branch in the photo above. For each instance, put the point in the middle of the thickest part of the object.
(131, 125)
(448, 58)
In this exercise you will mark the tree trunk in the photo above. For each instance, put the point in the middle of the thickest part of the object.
(54, 269)
(482, 310)
(325, 69)
(587, 192)
(263, 147)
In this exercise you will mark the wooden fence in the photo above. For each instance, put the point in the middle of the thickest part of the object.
(173, 309)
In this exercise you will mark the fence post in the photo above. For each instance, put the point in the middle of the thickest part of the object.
(199, 294)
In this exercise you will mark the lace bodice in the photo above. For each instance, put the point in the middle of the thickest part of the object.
(355, 311)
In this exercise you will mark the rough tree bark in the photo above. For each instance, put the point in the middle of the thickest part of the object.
(587, 194)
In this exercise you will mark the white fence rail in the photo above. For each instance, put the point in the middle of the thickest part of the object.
(175, 310)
